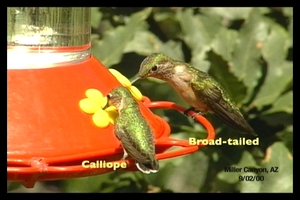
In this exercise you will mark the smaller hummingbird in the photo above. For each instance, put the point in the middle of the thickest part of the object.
(202, 92)
(133, 131)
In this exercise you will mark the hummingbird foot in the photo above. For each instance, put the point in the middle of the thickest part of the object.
(195, 115)
(193, 109)
(187, 110)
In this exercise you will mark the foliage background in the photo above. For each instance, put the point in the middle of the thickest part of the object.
(248, 50)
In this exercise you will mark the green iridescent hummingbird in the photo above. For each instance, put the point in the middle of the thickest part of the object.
(203, 93)
(133, 131)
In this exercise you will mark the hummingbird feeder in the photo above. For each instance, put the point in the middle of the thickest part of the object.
(50, 66)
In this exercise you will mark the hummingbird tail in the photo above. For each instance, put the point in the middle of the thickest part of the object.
(148, 168)
(236, 122)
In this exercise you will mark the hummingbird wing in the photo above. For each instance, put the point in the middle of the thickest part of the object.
(132, 145)
(219, 102)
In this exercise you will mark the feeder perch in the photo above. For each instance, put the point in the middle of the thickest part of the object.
(49, 69)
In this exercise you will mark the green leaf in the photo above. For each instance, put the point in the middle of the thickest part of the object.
(286, 136)
(250, 186)
(282, 104)
(198, 30)
(199, 62)
(224, 43)
(246, 160)
(278, 156)
(125, 182)
(232, 13)
(167, 23)
(182, 174)
(278, 118)
(288, 11)
(144, 43)
(109, 50)
(290, 29)
(220, 71)
(276, 45)
(198, 33)
(246, 56)
(96, 17)
(86, 184)
(279, 71)
(278, 77)
(13, 186)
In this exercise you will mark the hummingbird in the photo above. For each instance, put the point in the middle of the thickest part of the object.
(133, 131)
(200, 90)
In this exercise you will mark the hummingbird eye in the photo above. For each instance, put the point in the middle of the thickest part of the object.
(154, 68)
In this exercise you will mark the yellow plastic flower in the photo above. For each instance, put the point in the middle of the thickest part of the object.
(95, 102)
(126, 83)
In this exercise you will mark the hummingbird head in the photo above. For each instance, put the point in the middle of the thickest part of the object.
(117, 96)
(156, 65)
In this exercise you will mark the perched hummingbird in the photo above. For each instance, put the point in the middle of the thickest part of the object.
(133, 131)
(202, 92)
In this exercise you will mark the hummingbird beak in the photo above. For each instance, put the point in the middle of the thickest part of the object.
(136, 78)
(107, 104)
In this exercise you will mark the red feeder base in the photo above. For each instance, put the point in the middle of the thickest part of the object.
(49, 136)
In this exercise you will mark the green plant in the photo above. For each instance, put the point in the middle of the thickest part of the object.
(248, 50)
